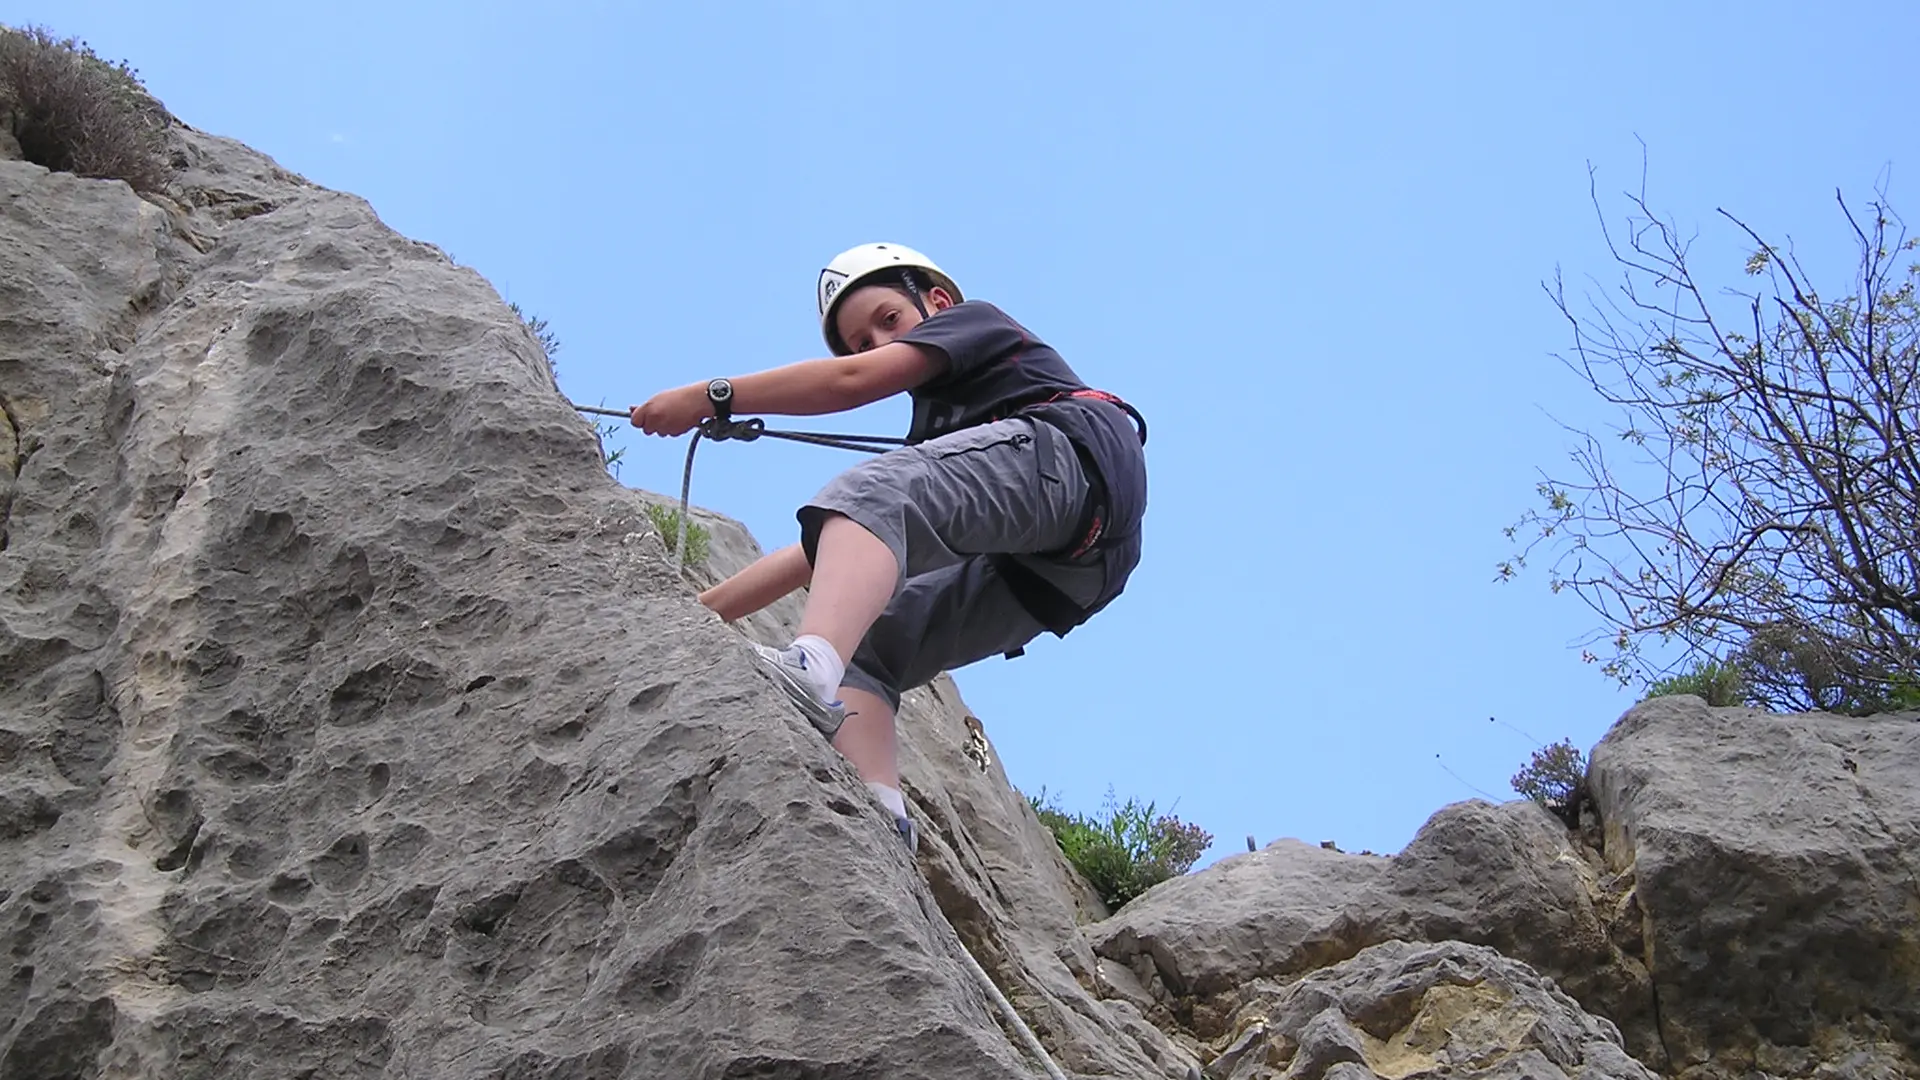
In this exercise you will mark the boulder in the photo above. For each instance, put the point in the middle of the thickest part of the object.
(1507, 876)
(1776, 863)
(1404, 1010)
(1744, 904)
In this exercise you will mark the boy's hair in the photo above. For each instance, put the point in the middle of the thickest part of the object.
(904, 280)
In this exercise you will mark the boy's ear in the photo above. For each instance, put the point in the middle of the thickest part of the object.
(939, 299)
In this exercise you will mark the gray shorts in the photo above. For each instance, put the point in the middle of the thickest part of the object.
(943, 506)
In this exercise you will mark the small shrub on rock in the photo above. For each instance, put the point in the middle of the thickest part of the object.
(537, 326)
(1716, 682)
(1127, 850)
(1905, 695)
(666, 521)
(1556, 778)
(73, 112)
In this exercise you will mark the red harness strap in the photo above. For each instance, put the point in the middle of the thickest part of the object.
(1139, 421)
(1096, 514)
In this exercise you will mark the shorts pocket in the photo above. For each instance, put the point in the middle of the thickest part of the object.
(981, 446)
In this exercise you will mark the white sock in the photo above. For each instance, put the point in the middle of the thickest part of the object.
(824, 665)
(894, 801)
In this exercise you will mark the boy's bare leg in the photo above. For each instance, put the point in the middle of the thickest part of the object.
(866, 738)
(768, 579)
(854, 575)
(854, 578)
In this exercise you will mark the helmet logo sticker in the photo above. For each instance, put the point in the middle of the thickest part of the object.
(830, 282)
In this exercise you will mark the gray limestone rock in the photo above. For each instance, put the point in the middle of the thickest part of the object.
(1747, 906)
(1507, 876)
(1511, 877)
(1327, 1040)
(1774, 858)
(1412, 1010)
(354, 723)
(1278, 911)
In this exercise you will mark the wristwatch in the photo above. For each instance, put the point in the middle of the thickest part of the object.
(720, 396)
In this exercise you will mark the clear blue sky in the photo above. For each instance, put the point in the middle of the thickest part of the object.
(1307, 241)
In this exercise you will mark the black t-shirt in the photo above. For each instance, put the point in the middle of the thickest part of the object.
(996, 368)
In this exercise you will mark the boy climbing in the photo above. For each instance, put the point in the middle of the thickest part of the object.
(1014, 508)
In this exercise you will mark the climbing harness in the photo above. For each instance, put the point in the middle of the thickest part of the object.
(1139, 422)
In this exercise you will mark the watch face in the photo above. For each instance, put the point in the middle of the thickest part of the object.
(720, 389)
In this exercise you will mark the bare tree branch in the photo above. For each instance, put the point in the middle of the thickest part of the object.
(1768, 507)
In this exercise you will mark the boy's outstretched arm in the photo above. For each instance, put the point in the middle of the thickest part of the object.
(806, 388)
(768, 579)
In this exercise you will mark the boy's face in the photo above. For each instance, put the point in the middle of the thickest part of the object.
(876, 315)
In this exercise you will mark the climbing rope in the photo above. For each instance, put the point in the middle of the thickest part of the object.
(1000, 1000)
(750, 428)
(725, 428)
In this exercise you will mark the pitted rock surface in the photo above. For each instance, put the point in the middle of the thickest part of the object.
(1777, 861)
(1402, 1010)
(1746, 907)
(1506, 876)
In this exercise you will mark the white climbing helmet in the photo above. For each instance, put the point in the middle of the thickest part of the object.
(856, 264)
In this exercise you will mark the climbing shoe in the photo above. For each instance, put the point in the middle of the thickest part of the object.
(908, 832)
(788, 667)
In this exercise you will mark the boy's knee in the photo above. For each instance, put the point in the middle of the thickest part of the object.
(860, 677)
(828, 507)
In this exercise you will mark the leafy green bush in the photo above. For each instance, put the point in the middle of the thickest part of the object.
(666, 520)
(1556, 778)
(1716, 681)
(1905, 694)
(71, 111)
(1126, 851)
(1787, 669)
(1779, 670)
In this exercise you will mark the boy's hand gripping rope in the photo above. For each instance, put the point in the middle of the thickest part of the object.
(721, 426)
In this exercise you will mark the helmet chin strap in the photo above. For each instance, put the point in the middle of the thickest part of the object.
(913, 290)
